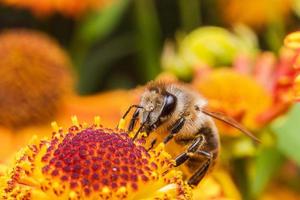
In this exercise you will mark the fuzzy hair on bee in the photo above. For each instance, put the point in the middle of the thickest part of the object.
(178, 112)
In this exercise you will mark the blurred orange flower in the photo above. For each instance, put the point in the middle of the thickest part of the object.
(255, 13)
(276, 75)
(292, 41)
(217, 186)
(92, 162)
(234, 94)
(111, 104)
(73, 8)
(36, 76)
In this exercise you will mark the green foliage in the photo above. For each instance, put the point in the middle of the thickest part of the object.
(288, 135)
(97, 25)
(190, 14)
(148, 38)
(267, 163)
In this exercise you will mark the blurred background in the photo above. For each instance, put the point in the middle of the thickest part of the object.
(60, 58)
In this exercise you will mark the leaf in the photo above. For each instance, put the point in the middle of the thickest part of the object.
(148, 38)
(97, 25)
(267, 163)
(190, 14)
(101, 58)
(288, 133)
(94, 27)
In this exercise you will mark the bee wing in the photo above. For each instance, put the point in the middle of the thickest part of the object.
(228, 120)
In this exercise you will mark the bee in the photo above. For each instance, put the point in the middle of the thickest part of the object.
(179, 113)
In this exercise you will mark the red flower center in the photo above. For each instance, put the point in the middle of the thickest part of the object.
(94, 158)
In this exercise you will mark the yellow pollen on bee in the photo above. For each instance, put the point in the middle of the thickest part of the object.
(143, 134)
(121, 124)
(75, 121)
(97, 121)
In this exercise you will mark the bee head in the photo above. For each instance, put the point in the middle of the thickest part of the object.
(158, 104)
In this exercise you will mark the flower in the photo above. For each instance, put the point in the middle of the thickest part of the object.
(72, 8)
(213, 46)
(292, 41)
(235, 95)
(111, 104)
(36, 76)
(92, 162)
(218, 185)
(276, 75)
(7, 147)
(255, 13)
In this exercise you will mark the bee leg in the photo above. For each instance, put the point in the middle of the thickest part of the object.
(197, 142)
(177, 126)
(128, 110)
(152, 144)
(133, 119)
(202, 170)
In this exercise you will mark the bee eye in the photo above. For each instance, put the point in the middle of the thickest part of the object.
(169, 105)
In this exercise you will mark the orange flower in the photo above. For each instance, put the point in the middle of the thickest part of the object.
(218, 186)
(96, 162)
(276, 75)
(297, 88)
(7, 145)
(73, 8)
(110, 104)
(35, 75)
(255, 13)
(292, 41)
(235, 95)
(92, 162)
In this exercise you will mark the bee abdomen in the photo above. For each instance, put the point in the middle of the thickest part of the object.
(212, 143)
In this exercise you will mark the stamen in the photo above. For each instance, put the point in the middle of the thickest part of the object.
(75, 120)
(97, 121)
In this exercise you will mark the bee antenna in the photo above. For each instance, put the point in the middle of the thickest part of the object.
(128, 110)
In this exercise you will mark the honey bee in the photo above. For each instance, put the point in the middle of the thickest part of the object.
(178, 112)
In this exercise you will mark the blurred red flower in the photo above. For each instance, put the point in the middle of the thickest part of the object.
(73, 8)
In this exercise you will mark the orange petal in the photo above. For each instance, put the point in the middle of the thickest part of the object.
(297, 88)
(218, 185)
(7, 145)
(111, 104)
